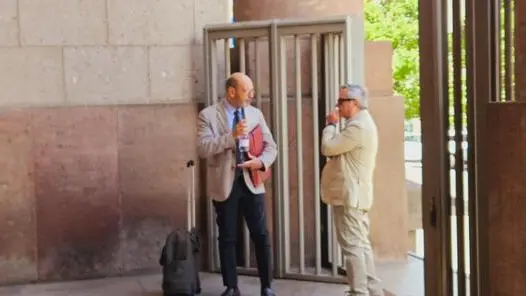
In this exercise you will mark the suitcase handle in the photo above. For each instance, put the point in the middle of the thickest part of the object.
(191, 195)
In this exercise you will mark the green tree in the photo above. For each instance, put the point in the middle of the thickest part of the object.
(397, 21)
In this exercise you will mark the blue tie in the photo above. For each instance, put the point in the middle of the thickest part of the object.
(239, 155)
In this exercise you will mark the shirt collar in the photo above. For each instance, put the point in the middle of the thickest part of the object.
(230, 109)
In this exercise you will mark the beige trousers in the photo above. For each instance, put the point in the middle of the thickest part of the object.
(352, 232)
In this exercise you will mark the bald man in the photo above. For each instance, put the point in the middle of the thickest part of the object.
(228, 181)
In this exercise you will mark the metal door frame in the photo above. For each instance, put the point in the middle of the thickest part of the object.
(345, 49)
(434, 84)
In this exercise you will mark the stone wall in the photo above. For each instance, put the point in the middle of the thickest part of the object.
(93, 95)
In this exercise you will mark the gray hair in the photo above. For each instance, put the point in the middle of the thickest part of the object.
(357, 92)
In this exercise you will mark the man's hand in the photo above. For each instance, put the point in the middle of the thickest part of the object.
(333, 117)
(252, 164)
(240, 129)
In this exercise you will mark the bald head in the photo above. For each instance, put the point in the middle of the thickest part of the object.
(239, 89)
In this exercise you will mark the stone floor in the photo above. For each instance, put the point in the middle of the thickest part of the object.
(149, 285)
(403, 279)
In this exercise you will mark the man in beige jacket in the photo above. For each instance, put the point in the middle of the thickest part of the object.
(347, 185)
(228, 182)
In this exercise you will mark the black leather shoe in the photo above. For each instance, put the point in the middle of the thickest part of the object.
(232, 292)
(267, 292)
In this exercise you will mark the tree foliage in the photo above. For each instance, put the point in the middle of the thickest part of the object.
(397, 21)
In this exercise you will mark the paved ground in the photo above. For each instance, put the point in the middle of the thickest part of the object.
(403, 279)
(149, 285)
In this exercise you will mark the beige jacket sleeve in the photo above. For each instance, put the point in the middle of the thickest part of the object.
(337, 143)
(210, 144)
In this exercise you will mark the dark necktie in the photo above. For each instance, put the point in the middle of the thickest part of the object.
(239, 155)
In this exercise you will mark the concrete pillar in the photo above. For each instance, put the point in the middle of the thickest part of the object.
(390, 214)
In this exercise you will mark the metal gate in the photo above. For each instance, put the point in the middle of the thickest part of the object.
(476, 64)
(335, 48)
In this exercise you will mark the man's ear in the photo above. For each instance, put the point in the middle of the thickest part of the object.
(230, 92)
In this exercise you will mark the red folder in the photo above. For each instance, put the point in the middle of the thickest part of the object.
(256, 147)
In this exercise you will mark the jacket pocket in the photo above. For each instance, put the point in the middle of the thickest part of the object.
(333, 183)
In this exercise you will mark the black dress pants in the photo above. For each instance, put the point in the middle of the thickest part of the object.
(252, 207)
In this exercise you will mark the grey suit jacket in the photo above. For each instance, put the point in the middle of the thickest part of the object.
(217, 146)
(347, 178)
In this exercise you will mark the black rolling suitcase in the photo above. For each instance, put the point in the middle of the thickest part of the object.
(179, 256)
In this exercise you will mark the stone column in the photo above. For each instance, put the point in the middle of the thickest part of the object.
(390, 214)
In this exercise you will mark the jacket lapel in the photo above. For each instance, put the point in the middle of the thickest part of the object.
(222, 121)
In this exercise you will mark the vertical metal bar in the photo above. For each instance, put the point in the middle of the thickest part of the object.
(330, 226)
(207, 66)
(246, 234)
(459, 159)
(213, 86)
(508, 51)
(209, 209)
(344, 74)
(277, 178)
(335, 66)
(316, 153)
(329, 103)
(299, 152)
(480, 43)
(497, 62)
(495, 46)
(228, 70)
(339, 73)
(257, 73)
(334, 46)
(326, 41)
(246, 245)
(341, 61)
(445, 165)
(433, 87)
(284, 150)
(189, 203)
(330, 59)
(470, 111)
(193, 197)
(242, 56)
(335, 249)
